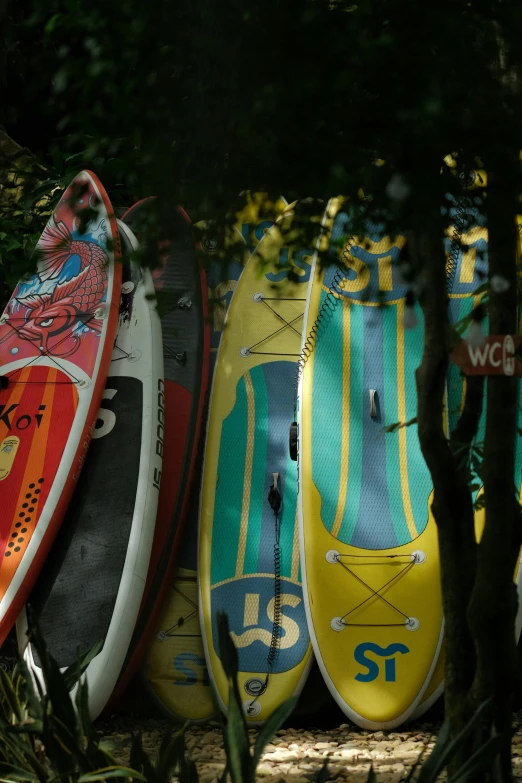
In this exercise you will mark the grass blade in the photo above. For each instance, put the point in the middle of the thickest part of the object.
(271, 725)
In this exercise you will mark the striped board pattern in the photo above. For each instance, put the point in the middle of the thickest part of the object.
(56, 337)
(90, 589)
(368, 541)
(251, 407)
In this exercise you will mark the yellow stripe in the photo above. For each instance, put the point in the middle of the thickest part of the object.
(345, 424)
(247, 478)
(295, 549)
(401, 404)
(249, 576)
(360, 303)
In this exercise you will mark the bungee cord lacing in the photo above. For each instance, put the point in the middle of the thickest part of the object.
(267, 299)
(412, 560)
(250, 350)
(182, 620)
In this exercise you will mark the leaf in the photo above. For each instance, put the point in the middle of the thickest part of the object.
(57, 691)
(481, 759)
(11, 772)
(445, 749)
(10, 696)
(372, 777)
(51, 24)
(171, 756)
(271, 725)
(237, 745)
(431, 767)
(139, 760)
(322, 775)
(227, 649)
(73, 673)
(112, 772)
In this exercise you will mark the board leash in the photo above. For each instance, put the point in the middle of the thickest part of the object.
(275, 501)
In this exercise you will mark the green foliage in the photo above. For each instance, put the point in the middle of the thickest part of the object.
(448, 747)
(45, 738)
(241, 761)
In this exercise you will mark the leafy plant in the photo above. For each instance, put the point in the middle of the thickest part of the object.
(241, 760)
(45, 737)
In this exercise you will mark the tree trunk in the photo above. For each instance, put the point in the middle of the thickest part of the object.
(493, 604)
(452, 504)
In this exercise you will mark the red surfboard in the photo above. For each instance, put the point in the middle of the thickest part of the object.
(56, 338)
(182, 294)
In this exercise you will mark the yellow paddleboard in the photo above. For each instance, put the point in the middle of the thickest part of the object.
(174, 666)
(248, 545)
(369, 548)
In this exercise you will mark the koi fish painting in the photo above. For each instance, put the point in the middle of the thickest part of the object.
(56, 337)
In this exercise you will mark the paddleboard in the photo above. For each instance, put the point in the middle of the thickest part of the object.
(248, 543)
(369, 545)
(91, 586)
(181, 291)
(174, 666)
(56, 338)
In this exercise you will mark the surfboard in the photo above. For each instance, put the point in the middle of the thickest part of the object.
(91, 587)
(174, 667)
(369, 548)
(248, 542)
(56, 338)
(469, 269)
(181, 291)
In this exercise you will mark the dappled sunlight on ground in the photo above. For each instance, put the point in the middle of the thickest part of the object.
(296, 755)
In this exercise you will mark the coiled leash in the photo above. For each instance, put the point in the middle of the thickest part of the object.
(275, 500)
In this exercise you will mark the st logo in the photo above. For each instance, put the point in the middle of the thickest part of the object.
(192, 668)
(300, 265)
(373, 667)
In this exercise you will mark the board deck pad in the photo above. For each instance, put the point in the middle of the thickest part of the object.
(366, 493)
(56, 336)
(88, 557)
(181, 291)
(252, 405)
(90, 589)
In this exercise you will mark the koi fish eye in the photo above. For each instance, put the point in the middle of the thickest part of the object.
(46, 322)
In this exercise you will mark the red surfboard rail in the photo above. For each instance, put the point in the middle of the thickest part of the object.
(56, 339)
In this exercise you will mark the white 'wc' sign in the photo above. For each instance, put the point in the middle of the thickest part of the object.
(496, 356)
